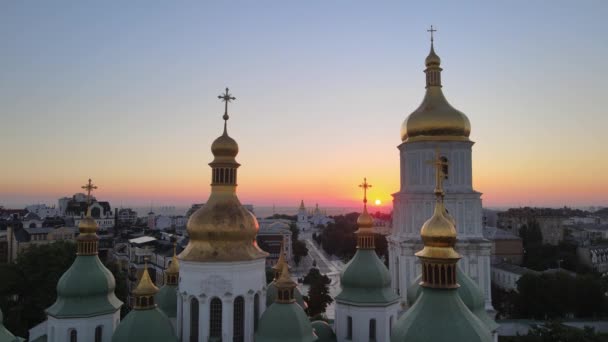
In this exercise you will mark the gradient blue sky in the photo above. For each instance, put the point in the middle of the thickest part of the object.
(126, 93)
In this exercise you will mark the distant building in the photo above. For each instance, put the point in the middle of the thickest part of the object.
(42, 210)
(506, 247)
(19, 239)
(127, 216)
(550, 221)
(76, 208)
(594, 257)
(507, 275)
(587, 234)
(271, 234)
(32, 220)
(306, 220)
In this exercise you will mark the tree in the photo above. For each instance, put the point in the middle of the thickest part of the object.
(29, 286)
(121, 291)
(299, 250)
(318, 293)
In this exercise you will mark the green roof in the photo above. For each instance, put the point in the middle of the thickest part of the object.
(166, 298)
(323, 331)
(439, 315)
(366, 281)
(468, 291)
(284, 323)
(150, 325)
(272, 292)
(85, 289)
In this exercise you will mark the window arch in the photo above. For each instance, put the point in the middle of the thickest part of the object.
(98, 333)
(215, 318)
(194, 320)
(238, 327)
(73, 335)
(256, 311)
(444, 167)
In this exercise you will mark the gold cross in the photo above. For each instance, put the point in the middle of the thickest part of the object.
(439, 174)
(365, 185)
(226, 97)
(432, 31)
(89, 187)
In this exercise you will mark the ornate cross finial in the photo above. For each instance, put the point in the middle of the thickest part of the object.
(89, 187)
(439, 165)
(226, 97)
(432, 31)
(365, 185)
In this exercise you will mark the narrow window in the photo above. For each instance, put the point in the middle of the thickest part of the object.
(98, 333)
(444, 167)
(238, 330)
(349, 328)
(194, 320)
(215, 318)
(372, 330)
(73, 335)
(256, 311)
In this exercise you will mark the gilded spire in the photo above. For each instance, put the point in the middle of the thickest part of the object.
(172, 272)
(87, 240)
(432, 62)
(145, 291)
(365, 233)
(223, 230)
(285, 286)
(439, 236)
(278, 267)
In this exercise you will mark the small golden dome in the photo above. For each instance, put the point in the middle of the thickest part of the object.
(438, 235)
(432, 59)
(279, 265)
(87, 225)
(365, 220)
(224, 146)
(174, 266)
(146, 286)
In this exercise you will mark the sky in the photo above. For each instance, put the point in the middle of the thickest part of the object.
(125, 93)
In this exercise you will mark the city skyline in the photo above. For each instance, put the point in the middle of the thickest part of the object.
(127, 96)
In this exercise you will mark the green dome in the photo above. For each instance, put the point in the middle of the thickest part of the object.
(150, 325)
(439, 315)
(5, 335)
(166, 299)
(474, 299)
(468, 291)
(284, 323)
(366, 280)
(323, 331)
(271, 295)
(85, 289)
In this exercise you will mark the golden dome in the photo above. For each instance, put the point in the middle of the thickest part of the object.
(87, 225)
(224, 147)
(365, 220)
(146, 286)
(279, 265)
(174, 267)
(438, 235)
(435, 119)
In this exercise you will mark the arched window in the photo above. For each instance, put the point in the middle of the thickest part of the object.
(73, 335)
(238, 328)
(98, 333)
(256, 311)
(215, 318)
(372, 329)
(349, 328)
(194, 320)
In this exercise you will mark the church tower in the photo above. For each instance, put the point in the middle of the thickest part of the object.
(302, 223)
(367, 305)
(439, 313)
(222, 283)
(86, 308)
(436, 125)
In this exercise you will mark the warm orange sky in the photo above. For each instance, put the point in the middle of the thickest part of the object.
(129, 98)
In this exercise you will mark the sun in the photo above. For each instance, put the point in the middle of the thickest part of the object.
(378, 202)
